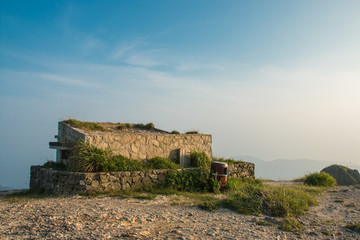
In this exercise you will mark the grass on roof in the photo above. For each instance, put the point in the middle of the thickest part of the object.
(85, 125)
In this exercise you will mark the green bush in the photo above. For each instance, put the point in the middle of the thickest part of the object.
(252, 196)
(175, 132)
(192, 132)
(143, 126)
(60, 166)
(121, 163)
(229, 161)
(87, 158)
(199, 159)
(161, 163)
(320, 179)
(193, 180)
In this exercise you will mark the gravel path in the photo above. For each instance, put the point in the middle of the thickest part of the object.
(114, 218)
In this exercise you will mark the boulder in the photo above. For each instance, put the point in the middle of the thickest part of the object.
(343, 175)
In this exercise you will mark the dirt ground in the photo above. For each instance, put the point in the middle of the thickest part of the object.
(79, 217)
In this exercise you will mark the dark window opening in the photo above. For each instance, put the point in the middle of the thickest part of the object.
(65, 154)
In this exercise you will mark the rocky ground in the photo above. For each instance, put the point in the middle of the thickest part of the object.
(115, 218)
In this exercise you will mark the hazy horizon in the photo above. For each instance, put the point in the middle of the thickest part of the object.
(266, 79)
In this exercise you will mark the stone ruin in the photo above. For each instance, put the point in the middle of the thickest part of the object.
(134, 143)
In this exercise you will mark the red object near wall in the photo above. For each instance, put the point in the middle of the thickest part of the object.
(220, 172)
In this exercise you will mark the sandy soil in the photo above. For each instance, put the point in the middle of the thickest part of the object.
(114, 218)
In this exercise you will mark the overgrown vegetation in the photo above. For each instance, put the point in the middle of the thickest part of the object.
(320, 179)
(291, 225)
(160, 163)
(253, 196)
(90, 126)
(85, 157)
(199, 159)
(60, 166)
(192, 132)
(197, 180)
(229, 161)
(175, 132)
(138, 125)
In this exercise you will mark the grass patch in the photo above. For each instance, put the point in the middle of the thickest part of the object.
(23, 196)
(252, 196)
(175, 132)
(90, 126)
(148, 126)
(326, 233)
(291, 225)
(320, 179)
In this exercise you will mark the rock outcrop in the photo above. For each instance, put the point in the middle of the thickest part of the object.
(343, 175)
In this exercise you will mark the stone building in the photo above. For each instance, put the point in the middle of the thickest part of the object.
(132, 141)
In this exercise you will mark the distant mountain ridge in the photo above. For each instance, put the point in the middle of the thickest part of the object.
(4, 188)
(286, 169)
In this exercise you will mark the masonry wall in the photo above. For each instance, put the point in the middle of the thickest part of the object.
(144, 145)
(149, 145)
(64, 183)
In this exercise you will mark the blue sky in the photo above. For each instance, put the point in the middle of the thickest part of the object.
(271, 79)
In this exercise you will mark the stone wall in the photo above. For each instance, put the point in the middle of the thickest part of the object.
(141, 145)
(64, 183)
(149, 145)
(241, 170)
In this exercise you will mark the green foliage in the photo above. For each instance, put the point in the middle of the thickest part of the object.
(161, 163)
(143, 126)
(252, 196)
(60, 166)
(87, 158)
(286, 201)
(199, 159)
(85, 125)
(121, 127)
(320, 179)
(121, 163)
(193, 180)
(209, 205)
(192, 132)
(291, 225)
(175, 132)
(138, 125)
(229, 161)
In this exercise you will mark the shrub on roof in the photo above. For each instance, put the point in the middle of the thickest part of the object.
(85, 125)
(192, 132)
